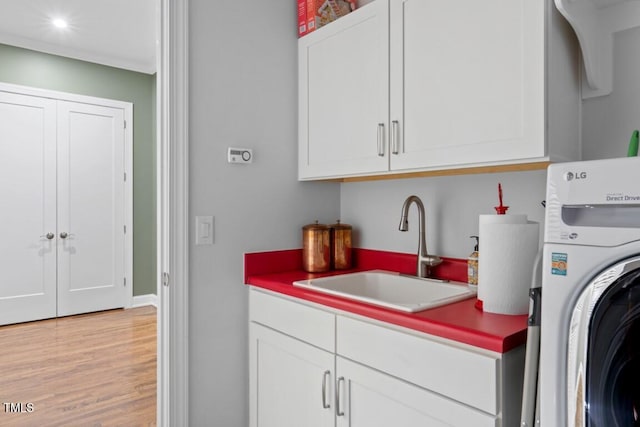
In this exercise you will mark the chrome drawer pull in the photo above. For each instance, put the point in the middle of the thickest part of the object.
(381, 139)
(339, 412)
(395, 137)
(325, 378)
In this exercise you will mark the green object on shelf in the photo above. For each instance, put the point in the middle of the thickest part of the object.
(633, 144)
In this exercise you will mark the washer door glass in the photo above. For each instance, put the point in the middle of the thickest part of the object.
(612, 391)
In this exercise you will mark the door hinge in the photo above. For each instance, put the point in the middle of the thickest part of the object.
(125, 124)
(125, 177)
(125, 281)
(165, 279)
(125, 229)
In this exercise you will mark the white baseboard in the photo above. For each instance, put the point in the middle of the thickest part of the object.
(142, 300)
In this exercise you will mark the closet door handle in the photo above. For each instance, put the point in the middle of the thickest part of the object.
(395, 137)
(339, 412)
(48, 236)
(381, 139)
(325, 378)
(64, 235)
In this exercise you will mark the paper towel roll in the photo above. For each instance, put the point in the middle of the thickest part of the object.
(503, 219)
(508, 248)
(485, 221)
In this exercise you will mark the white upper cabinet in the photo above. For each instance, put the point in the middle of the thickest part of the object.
(344, 95)
(467, 83)
(438, 85)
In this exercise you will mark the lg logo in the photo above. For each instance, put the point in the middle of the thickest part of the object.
(570, 176)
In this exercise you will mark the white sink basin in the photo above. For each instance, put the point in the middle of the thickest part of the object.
(390, 290)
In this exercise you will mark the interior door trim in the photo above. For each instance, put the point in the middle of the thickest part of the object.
(173, 214)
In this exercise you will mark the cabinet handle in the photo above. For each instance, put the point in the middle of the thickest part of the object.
(395, 137)
(49, 236)
(381, 139)
(339, 412)
(325, 377)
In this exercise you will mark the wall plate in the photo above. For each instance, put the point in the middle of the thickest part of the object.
(204, 230)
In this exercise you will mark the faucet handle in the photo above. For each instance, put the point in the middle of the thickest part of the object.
(426, 263)
(431, 260)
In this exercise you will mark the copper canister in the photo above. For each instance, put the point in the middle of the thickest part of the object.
(341, 245)
(316, 254)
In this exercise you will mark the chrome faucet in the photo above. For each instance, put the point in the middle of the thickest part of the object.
(425, 261)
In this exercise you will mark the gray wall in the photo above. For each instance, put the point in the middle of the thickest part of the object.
(452, 206)
(607, 121)
(243, 93)
(243, 79)
(35, 69)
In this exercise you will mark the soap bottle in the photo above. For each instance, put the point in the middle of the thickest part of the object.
(472, 264)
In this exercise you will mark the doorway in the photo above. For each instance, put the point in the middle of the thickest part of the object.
(46, 160)
(44, 68)
(171, 161)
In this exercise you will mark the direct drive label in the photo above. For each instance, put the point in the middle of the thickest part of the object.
(559, 264)
(622, 197)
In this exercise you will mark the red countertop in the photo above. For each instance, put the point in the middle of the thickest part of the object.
(461, 321)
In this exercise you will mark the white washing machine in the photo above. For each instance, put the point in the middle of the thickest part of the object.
(589, 372)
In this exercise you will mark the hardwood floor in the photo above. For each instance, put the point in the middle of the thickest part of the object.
(95, 369)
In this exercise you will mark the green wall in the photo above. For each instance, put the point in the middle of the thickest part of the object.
(35, 69)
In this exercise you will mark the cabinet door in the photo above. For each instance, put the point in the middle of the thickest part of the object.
(370, 398)
(344, 95)
(467, 81)
(291, 382)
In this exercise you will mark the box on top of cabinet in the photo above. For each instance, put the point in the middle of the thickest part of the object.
(302, 17)
(313, 14)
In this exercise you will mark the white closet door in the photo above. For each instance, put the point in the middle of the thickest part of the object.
(90, 208)
(28, 208)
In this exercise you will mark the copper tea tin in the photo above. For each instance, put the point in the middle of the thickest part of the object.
(341, 245)
(316, 243)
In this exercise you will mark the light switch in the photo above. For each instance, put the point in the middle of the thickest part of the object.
(204, 230)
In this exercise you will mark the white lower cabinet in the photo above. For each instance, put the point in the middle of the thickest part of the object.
(312, 366)
(370, 398)
(291, 380)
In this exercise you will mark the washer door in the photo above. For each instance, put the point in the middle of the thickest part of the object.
(603, 359)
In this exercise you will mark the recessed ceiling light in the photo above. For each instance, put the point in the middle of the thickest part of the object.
(59, 23)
